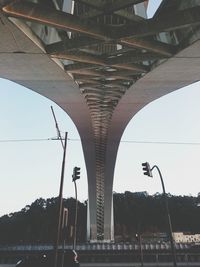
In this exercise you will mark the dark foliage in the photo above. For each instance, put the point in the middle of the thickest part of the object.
(134, 213)
(37, 223)
(142, 213)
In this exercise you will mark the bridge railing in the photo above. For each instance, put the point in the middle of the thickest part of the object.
(109, 252)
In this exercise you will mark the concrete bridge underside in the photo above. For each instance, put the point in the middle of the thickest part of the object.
(101, 65)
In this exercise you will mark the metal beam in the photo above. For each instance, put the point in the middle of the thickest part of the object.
(87, 81)
(134, 67)
(107, 98)
(150, 45)
(97, 4)
(159, 50)
(121, 13)
(79, 66)
(171, 22)
(62, 20)
(120, 4)
(71, 44)
(100, 76)
(130, 58)
(109, 7)
(87, 85)
(85, 58)
(79, 57)
(54, 18)
(93, 73)
(129, 16)
(91, 14)
(86, 77)
(167, 6)
(88, 72)
(108, 90)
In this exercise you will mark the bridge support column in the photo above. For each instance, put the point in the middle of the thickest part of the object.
(91, 227)
(108, 220)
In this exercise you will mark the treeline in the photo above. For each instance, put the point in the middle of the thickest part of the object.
(133, 213)
(142, 213)
(37, 223)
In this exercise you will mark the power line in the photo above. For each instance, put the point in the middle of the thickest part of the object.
(160, 143)
(26, 140)
(36, 140)
(78, 140)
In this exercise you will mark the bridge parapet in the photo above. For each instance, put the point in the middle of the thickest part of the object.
(99, 247)
(109, 254)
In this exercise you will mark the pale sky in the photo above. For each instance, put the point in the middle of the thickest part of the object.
(30, 170)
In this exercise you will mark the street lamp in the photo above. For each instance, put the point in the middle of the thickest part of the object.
(148, 171)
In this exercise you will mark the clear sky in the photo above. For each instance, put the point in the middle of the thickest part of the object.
(31, 169)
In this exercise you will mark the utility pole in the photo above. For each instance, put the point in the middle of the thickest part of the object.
(60, 203)
(60, 197)
(64, 232)
(59, 137)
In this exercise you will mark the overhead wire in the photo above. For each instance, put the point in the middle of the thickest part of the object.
(77, 139)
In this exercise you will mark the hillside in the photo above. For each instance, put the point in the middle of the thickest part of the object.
(133, 213)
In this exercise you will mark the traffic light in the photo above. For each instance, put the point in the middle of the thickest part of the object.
(147, 169)
(76, 173)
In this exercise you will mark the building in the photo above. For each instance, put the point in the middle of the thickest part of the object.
(180, 237)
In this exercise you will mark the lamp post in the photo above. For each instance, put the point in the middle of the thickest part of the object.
(148, 171)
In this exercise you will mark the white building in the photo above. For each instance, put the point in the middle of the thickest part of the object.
(180, 237)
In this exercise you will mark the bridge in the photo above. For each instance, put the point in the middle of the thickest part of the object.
(108, 254)
(101, 62)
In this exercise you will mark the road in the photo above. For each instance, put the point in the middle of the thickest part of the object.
(125, 265)
(138, 265)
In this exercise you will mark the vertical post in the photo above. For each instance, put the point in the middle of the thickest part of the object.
(139, 239)
(141, 250)
(64, 228)
(75, 176)
(57, 128)
(168, 217)
(76, 213)
(60, 203)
